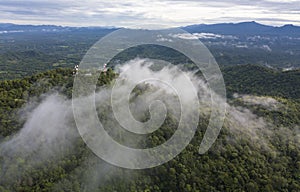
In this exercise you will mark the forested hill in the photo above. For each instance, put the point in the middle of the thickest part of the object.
(261, 156)
(255, 79)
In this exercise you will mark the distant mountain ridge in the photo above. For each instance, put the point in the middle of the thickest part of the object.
(244, 28)
(13, 28)
(240, 29)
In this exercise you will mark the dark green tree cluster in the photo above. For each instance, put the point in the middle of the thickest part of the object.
(259, 80)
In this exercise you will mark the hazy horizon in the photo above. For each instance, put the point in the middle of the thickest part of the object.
(101, 26)
(149, 14)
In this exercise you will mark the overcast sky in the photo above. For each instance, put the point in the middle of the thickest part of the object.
(148, 13)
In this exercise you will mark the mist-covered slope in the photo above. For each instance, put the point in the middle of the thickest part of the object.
(257, 150)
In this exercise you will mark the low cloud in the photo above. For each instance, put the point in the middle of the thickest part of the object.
(48, 134)
(264, 101)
